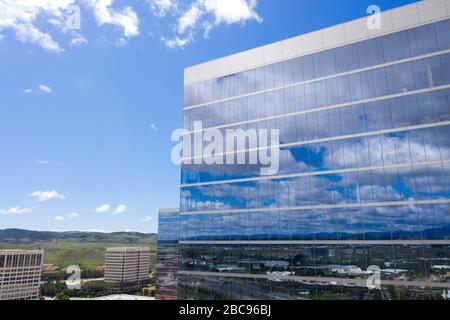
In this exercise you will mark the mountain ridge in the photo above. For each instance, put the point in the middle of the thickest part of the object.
(23, 236)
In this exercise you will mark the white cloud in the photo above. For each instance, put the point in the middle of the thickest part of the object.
(44, 88)
(27, 33)
(44, 196)
(27, 18)
(232, 11)
(146, 219)
(178, 42)
(121, 209)
(161, 8)
(47, 163)
(16, 210)
(73, 215)
(103, 208)
(125, 18)
(203, 15)
(96, 231)
(154, 127)
(21, 16)
(190, 18)
(78, 40)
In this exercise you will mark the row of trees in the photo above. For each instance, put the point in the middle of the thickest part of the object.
(90, 289)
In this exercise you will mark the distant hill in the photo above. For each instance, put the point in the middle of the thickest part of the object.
(81, 248)
(19, 236)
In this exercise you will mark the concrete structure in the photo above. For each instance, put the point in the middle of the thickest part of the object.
(127, 267)
(363, 116)
(20, 274)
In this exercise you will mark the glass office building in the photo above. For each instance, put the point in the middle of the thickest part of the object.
(167, 254)
(364, 174)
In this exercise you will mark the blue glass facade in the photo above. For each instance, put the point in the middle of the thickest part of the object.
(167, 255)
(364, 176)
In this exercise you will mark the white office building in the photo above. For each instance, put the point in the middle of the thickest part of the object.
(127, 266)
(20, 274)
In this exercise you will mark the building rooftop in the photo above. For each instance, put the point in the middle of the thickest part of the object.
(394, 20)
(21, 251)
(170, 210)
(127, 249)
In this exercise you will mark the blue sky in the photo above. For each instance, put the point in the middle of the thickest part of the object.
(86, 115)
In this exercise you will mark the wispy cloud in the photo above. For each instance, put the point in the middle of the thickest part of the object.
(202, 16)
(73, 215)
(177, 42)
(146, 219)
(161, 8)
(124, 18)
(42, 88)
(44, 196)
(16, 210)
(27, 19)
(48, 163)
(121, 42)
(104, 208)
(21, 17)
(121, 209)
(78, 40)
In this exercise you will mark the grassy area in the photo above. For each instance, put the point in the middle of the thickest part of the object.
(64, 253)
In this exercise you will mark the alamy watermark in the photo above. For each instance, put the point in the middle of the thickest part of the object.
(259, 147)
(74, 281)
(73, 18)
(374, 20)
(374, 281)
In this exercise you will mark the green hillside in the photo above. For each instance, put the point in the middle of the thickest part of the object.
(68, 248)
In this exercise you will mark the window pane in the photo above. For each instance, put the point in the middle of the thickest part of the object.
(356, 87)
(344, 89)
(347, 58)
(332, 92)
(288, 71)
(299, 74)
(371, 52)
(310, 95)
(321, 94)
(445, 64)
(443, 34)
(422, 40)
(320, 64)
(269, 76)
(400, 78)
(234, 85)
(300, 98)
(428, 73)
(396, 46)
(309, 67)
(278, 76)
(259, 79)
